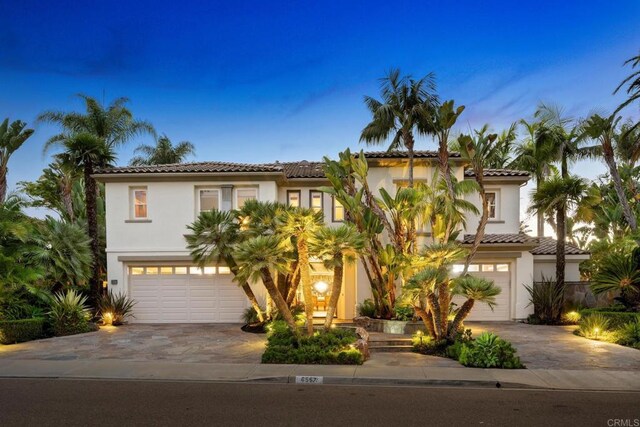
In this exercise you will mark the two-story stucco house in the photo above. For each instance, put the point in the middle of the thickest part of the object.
(148, 209)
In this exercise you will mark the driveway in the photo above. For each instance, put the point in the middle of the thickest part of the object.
(556, 347)
(197, 343)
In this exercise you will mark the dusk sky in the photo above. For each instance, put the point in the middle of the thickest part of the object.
(263, 81)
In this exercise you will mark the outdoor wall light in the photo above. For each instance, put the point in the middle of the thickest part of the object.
(107, 319)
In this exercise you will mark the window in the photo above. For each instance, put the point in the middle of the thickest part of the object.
(136, 271)
(209, 199)
(180, 270)
(487, 267)
(152, 270)
(244, 194)
(315, 200)
(166, 270)
(195, 270)
(338, 211)
(209, 270)
(491, 200)
(502, 267)
(293, 198)
(224, 270)
(139, 197)
(474, 268)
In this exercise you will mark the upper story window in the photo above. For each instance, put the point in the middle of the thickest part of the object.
(492, 199)
(293, 198)
(208, 199)
(244, 194)
(315, 200)
(338, 211)
(139, 203)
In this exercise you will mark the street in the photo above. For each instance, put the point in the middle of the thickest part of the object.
(83, 402)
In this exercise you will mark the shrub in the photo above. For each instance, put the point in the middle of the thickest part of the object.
(333, 347)
(594, 326)
(404, 312)
(427, 345)
(616, 316)
(69, 314)
(571, 317)
(250, 316)
(547, 300)
(367, 308)
(15, 331)
(489, 351)
(114, 309)
(629, 334)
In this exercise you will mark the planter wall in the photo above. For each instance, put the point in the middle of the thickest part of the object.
(389, 326)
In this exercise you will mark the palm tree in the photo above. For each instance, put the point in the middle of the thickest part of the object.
(535, 156)
(299, 225)
(632, 82)
(442, 121)
(336, 246)
(256, 258)
(474, 289)
(214, 237)
(89, 141)
(163, 153)
(555, 196)
(403, 112)
(604, 130)
(12, 136)
(476, 150)
(618, 274)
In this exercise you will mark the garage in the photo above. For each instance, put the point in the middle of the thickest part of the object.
(185, 294)
(501, 275)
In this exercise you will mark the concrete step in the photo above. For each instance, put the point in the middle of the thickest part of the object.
(390, 348)
(389, 342)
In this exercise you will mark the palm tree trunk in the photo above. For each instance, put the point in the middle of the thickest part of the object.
(336, 288)
(540, 215)
(560, 253)
(408, 142)
(246, 288)
(618, 186)
(92, 228)
(276, 296)
(482, 224)
(293, 289)
(462, 314)
(305, 278)
(67, 200)
(434, 308)
(427, 319)
(445, 168)
(444, 301)
(3, 184)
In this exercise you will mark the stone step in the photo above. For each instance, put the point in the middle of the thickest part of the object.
(390, 348)
(373, 342)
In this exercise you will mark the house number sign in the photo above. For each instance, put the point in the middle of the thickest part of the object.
(306, 379)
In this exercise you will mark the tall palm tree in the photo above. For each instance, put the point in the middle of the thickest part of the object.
(604, 131)
(441, 123)
(214, 237)
(257, 258)
(556, 196)
(535, 156)
(336, 246)
(476, 150)
(299, 225)
(163, 153)
(88, 140)
(402, 113)
(632, 82)
(12, 136)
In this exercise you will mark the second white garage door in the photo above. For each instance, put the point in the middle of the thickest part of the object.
(185, 294)
(501, 276)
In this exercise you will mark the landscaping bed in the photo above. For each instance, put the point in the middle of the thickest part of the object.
(610, 325)
(332, 347)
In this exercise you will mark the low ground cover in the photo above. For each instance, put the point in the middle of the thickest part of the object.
(617, 327)
(326, 347)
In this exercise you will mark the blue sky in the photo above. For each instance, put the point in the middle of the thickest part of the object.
(259, 81)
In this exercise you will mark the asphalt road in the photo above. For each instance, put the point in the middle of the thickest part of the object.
(45, 402)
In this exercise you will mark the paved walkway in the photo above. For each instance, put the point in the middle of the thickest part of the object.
(556, 347)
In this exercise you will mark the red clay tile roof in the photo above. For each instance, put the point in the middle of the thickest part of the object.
(302, 169)
(510, 238)
(548, 247)
(207, 167)
(498, 172)
(396, 154)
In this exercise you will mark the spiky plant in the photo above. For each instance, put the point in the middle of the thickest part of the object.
(474, 289)
(115, 308)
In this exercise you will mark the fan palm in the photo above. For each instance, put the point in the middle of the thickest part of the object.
(403, 112)
(619, 273)
(256, 258)
(555, 196)
(474, 289)
(12, 136)
(299, 225)
(336, 246)
(88, 141)
(632, 82)
(442, 121)
(163, 153)
(213, 237)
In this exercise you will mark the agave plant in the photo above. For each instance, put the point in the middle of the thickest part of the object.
(69, 313)
(547, 300)
(115, 308)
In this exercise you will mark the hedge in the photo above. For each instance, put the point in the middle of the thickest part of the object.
(15, 331)
(616, 318)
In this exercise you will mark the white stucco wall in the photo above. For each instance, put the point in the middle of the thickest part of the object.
(507, 209)
(520, 296)
(545, 266)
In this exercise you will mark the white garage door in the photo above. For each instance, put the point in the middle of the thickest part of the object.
(185, 294)
(501, 276)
